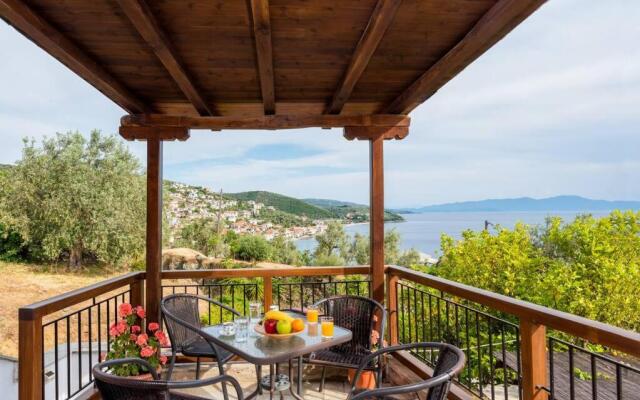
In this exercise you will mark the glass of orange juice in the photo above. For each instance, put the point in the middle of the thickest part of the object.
(312, 314)
(326, 327)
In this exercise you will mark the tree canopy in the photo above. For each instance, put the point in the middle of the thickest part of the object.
(71, 197)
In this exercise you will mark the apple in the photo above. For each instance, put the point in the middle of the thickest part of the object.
(284, 327)
(270, 326)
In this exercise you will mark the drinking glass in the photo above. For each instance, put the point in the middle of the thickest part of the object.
(255, 315)
(312, 314)
(242, 329)
(326, 327)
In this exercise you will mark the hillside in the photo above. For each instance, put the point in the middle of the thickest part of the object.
(557, 203)
(283, 203)
(353, 212)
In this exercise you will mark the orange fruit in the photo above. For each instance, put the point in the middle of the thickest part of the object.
(297, 325)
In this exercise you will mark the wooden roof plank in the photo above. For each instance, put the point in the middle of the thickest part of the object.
(50, 39)
(264, 53)
(380, 20)
(146, 24)
(504, 16)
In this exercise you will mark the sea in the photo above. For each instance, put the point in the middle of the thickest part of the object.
(422, 231)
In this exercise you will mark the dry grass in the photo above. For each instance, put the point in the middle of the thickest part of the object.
(23, 284)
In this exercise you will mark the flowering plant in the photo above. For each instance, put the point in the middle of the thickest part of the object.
(129, 340)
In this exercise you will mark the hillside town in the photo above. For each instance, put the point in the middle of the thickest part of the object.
(186, 204)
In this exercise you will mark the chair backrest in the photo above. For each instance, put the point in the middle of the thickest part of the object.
(448, 359)
(358, 314)
(449, 364)
(179, 310)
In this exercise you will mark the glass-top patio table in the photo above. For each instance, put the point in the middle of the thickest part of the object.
(264, 350)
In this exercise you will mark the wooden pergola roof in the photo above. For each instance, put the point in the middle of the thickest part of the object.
(250, 58)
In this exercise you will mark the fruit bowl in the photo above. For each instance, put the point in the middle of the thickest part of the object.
(260, 329)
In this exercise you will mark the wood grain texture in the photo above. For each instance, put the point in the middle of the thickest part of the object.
(493, 26)
(374, 132)
(266, 272)
(264, 52)
(154, 230)
(593, 331)
(392, 307)
(533, 340)
(379, 22)
(145, 23)
(30, 350)
(50, 39)
(164, 133)
(268, 122)
(376, 218)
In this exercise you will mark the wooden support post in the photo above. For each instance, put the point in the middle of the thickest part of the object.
(534, 360)
(137, 293)
(268, 292)
(154, 229)
(30, 353)
(376, 217)
(392, 307)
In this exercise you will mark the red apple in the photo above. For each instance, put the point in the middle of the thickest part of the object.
(271, 326)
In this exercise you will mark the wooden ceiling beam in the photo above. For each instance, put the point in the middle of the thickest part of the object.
(165, 133)
(503, 17)
(375, 132)
(264, 53)
(143, 20)
(42, 33)
(266, 122)
(379, 22)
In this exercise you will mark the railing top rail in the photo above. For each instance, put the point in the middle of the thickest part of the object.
(593, 331)
(57, 303)
(266, 272)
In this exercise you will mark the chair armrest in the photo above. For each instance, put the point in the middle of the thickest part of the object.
(206, 382)
(131, 360)
(408, 388)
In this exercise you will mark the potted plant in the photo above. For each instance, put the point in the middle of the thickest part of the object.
(367, 379)
(129, 340)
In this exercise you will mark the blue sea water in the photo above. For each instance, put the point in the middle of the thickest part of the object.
(422, 231)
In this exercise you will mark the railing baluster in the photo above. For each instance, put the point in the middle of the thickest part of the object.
(491, 363)
(618, 382)
(478, 337)
(504, 363)
(594, 378)
(68, 324)
(572, 389)
(79, 318)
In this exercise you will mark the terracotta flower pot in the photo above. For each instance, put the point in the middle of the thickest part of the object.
(367, 379)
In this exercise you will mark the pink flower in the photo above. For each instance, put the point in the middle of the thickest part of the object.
(162, 338)
(163, 360)
(147, 352)
(154, 326)
(142, 340)
(113, 330)
(133, 337)
(140, 312)
(136, 329)
(125, 309)
(122, 327)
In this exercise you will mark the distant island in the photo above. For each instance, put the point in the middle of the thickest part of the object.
(557, 203)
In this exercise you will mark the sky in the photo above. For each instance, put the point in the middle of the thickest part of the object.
(552, 109)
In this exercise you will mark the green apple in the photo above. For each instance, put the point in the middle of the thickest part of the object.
(283, 327)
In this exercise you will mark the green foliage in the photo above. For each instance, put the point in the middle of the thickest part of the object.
(333, 245)
(72, 197)
(284, 219)
(251, 248)
(202, 235)
(360, 249)
(12, 246)
(283, 203)
(285, 252)
(588, 267)
(351, 211)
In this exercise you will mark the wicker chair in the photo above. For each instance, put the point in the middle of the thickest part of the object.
(114, 387)
(182, 320)
(358, 314)
(449, 364)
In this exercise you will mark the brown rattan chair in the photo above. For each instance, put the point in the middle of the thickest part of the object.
(181, 316)
(360, 315)
(449, 364)
(114, 387)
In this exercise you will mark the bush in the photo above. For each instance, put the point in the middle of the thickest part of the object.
(251, 248)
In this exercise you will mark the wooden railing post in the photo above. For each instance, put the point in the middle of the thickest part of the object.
(392, 307)
(154, 229)
(30, 351)
(534, 360)
(376, 217)
(268, 292)
(137, 292)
